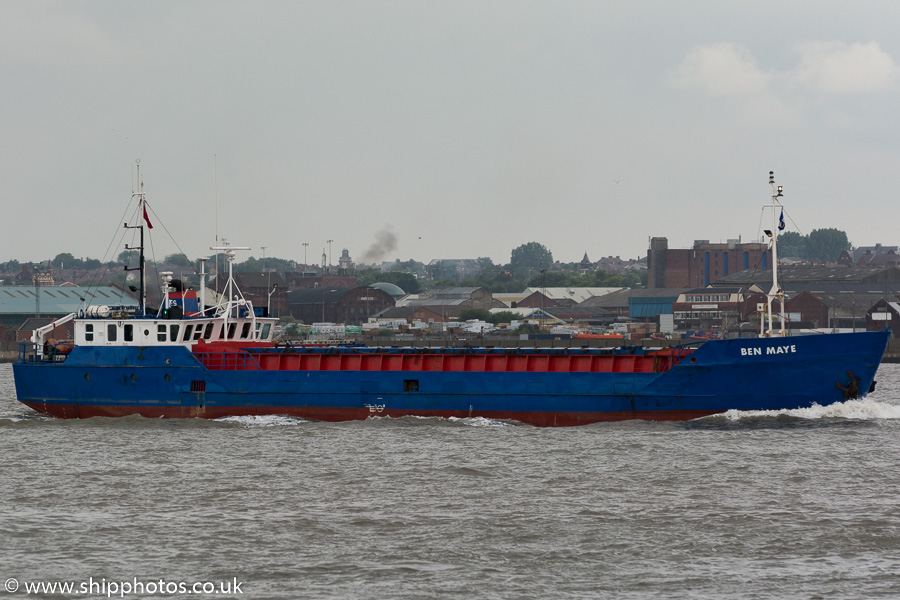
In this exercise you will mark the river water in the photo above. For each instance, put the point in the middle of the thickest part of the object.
(800, 504)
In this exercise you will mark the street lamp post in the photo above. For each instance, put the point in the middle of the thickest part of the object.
(305, 245)
(543, 295)
(329, 256)
(269, 301)
(268, 275)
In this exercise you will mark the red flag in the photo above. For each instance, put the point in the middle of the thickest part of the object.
(146, 218)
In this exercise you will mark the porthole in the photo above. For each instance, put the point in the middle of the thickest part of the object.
(168, 362)
(87, 376)
(168, 377)
(133, 377)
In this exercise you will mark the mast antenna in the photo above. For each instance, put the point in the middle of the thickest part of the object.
(216, 191)
(142, 212)
(776, 291)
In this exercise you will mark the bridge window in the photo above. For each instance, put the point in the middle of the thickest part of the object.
(232, 328)
(173, 333)
(245, 331)
(129, 333)
(89, 332)
(266, 328)
(209, 331)
(160, 333)
(188, 330)
(111, 332)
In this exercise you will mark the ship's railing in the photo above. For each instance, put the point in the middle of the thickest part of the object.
(45, 354)
(507, 360)
(677, 354)
(228, 361)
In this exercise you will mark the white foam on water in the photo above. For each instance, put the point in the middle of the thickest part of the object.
(859, 410)
(28, 417)
(470, 421)
(262, 420)
(479, 422)
(12, 419)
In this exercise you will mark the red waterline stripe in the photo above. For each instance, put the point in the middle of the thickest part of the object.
(538, 418)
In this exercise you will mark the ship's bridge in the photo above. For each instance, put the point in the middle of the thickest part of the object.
(168, 332)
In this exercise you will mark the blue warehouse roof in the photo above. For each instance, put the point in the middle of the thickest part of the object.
(58, 300)
(651, 306)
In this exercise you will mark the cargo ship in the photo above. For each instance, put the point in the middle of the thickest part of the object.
(189, 360)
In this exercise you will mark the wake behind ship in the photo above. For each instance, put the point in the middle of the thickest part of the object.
(187, 359)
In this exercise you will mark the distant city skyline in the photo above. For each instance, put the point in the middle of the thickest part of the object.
(876, 247)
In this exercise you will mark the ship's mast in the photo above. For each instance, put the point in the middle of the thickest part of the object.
(166, 289)
(202, 307)
(142, 266)
(143, 209)
(232, 302)
(776, 291)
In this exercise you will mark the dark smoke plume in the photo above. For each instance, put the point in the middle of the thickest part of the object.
(385, 241)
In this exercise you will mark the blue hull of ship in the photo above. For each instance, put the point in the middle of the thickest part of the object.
(741, 374)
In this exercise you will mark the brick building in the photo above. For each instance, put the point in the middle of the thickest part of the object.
(264, 290)
(844, 309)
(426, 314)
(351, 306)
(463, 297)
(536, 300)
(711, 308)
(884, 313)
(312, 279)
(703, 264)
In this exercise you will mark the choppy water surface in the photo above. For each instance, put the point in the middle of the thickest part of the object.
(802, 504)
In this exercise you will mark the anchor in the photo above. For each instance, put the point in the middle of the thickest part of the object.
(851, 390)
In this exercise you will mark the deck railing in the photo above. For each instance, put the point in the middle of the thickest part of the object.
(28, 353)
(228, 361)
(677, 355)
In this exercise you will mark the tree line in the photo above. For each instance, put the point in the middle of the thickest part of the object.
(820, 245)
(530, 265)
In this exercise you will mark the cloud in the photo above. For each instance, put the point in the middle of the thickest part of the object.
(841, 68)
(721, 70)
(727, 70)
(730, 72)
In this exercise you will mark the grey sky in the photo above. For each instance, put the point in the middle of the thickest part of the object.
(475, 126)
